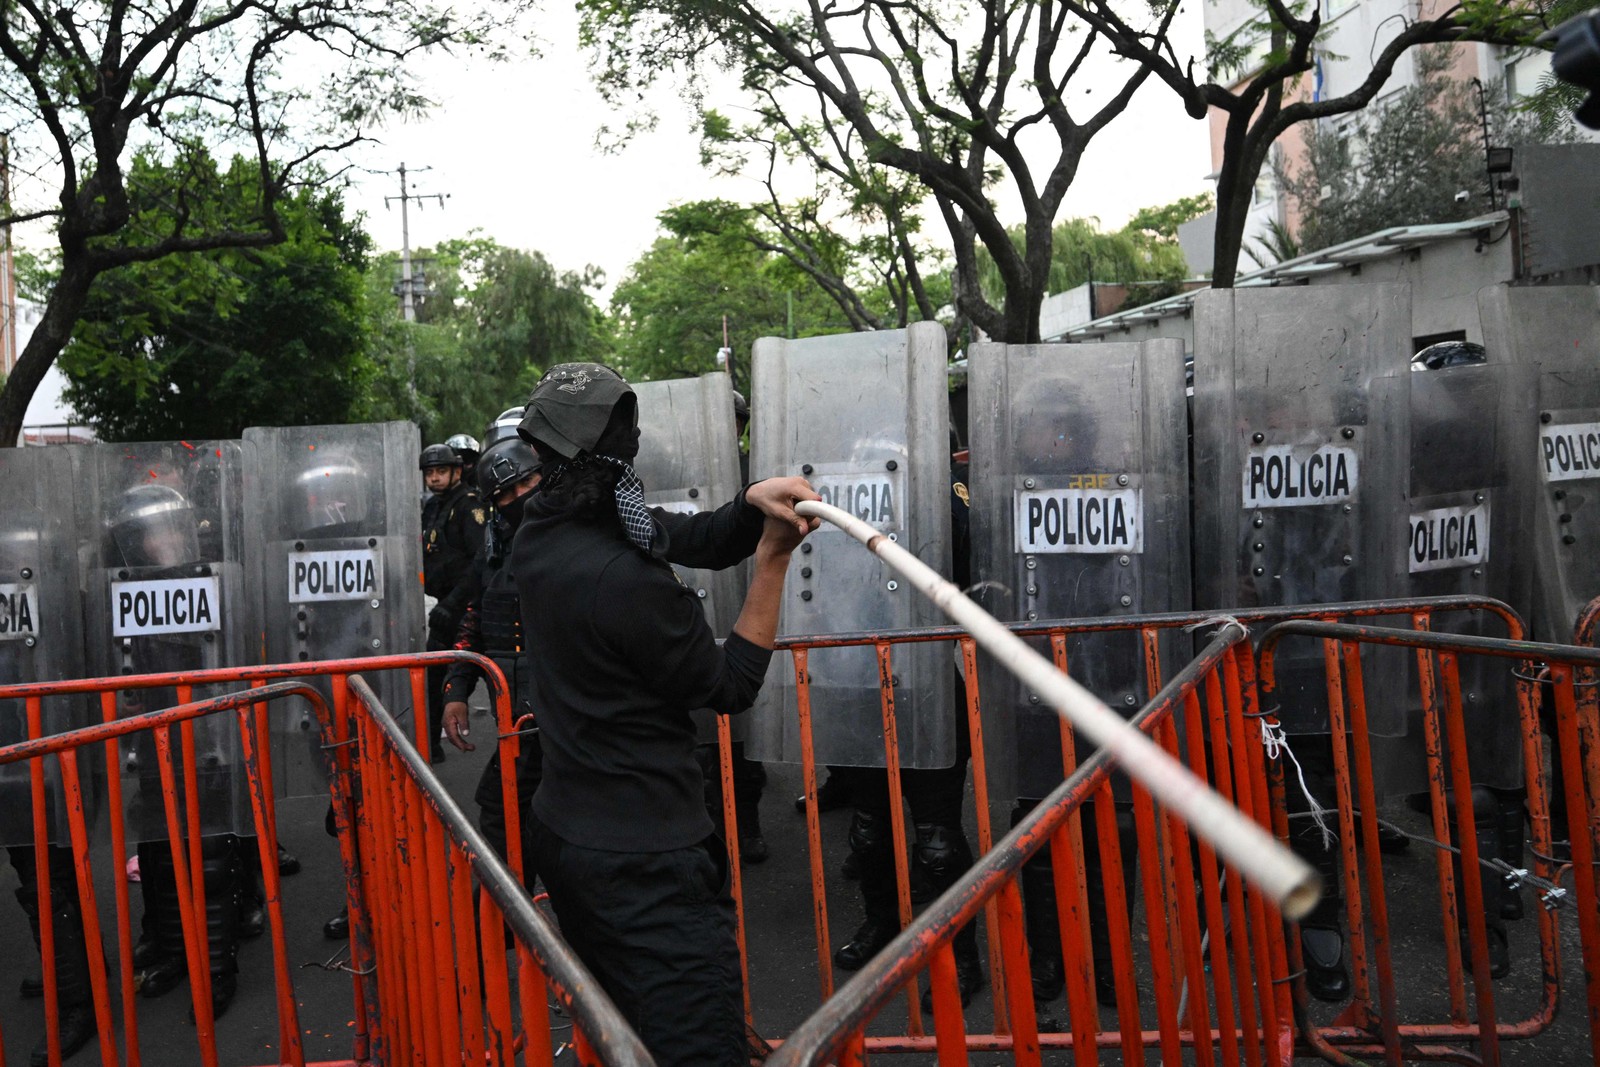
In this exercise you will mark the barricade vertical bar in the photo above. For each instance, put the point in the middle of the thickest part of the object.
(980, 791)
(1163, 984)
(510, 749)
(1579, 815)
(730, 830)
(195, 948)
(897, 817)
(402, 1000)
(949, 1027)
(1538, 805)
(1119, 930)
(89, 907)
(1014, 950)
(808, 773)
(1433, 749)
(41, 861)
(1237, 924)
(289, 1044)
(419, 709)
(1150, 640)
(1372, 859)
(854, 1053)
(465, 923)
(1467, 838)
(1267, 787)
(497, 992)
(119, 849)
(199, 984)
(418, 924)
(1332, 654)
(1072, 903)
(369, 821)
(439, 922)
(1181, 886)
(356, 837)
(531, 988)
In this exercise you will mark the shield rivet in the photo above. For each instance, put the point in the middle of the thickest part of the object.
(892, 585)
(1130, 700)
(1033, 698)
(1028, 483)
(1125, 600)
(1032, 615)
(1257, 438)
(1258, 522)
(701, 593)
(805, 594)
(1033, 590)
(1122, 479)
(693, 493)
(1124, 561)
(1347, 433)
(891, 465)
(27, 572)
(377, 642)
(1349, 560)
(376, 604)
(1031, 564)
(30, 641)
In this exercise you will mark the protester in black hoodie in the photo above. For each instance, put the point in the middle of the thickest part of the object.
(621, 838)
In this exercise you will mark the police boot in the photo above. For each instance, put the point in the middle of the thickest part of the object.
(1513, 838)
(162, 922)
(1105, 983)
(252, 894)
(1043, 926)
(749, 782)
(221, 870)
(1486, 818)
(752, 846)
(870, 837)
(1322, 931)
(74, 996)
(943, 852)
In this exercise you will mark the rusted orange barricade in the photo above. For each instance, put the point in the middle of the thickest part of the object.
(1182, 994)
(429, 906)
(1577, 715)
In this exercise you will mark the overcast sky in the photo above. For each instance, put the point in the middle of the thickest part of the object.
(514, 147)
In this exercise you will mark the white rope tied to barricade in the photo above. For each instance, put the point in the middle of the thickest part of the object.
(1276, 742)
(1284, 877)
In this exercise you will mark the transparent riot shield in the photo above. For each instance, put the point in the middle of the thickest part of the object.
(866, 418)
(1467, 529)
(336, 533)
(1300, 466)
(1557, 328)
(166, 593)
(41, 635)
(1080, 481)
(689, 463)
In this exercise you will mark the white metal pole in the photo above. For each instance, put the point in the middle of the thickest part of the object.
(1244, 845)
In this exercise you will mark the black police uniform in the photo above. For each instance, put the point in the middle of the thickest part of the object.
(452, 533)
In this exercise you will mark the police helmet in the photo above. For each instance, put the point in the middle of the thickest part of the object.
(154, 526)
(465, 446)
(503, 427)
(1449, 354)
(439, 456)
(571, 407)
(335, 492)
(504, 464)
(741, 406)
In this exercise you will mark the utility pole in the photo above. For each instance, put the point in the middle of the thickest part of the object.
(408, 307)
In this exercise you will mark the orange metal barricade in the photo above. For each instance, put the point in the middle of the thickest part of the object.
(429, 906)
(1255, 1021)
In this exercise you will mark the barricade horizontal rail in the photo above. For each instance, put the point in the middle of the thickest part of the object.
(493, 894)
(1451, 779)
(1235, 747)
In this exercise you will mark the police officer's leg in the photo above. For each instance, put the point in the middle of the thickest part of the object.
(435, 684)
(872, 844)
(220, 871)
(1321, 931)
(944, 853)
(749, 782)
(1511, 804)
(251, 892)
(162, 921)
(1040, 917)
(74, 998)
(1486, 820)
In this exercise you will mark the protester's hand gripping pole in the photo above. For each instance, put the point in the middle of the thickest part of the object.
(1244, 845)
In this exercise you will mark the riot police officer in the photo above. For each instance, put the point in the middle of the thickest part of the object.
(452, 531)
(154, 535)
(465, 446)
(492, 624)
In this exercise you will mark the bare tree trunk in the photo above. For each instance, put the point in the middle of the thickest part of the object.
(50, 336)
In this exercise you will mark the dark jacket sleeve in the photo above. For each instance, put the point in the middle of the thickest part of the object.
(664, 637)
(712, 540)
(461, 678)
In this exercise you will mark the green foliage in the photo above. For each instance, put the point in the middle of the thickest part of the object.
(670, 308)
(495, 318)
(1405, 163)
(203, 344)
(1151, 265)
(1163, 220)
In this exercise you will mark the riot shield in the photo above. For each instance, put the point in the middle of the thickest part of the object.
(166, 593)
(866, 418)
(41, 635)
(1557, 328)
(689, 462)
(1467, 531)
(1080, 478)
(337, 539)
(1300, 461)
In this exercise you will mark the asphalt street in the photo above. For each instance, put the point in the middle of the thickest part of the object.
(783, 966)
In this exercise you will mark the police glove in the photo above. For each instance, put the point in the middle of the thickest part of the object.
(440, 619)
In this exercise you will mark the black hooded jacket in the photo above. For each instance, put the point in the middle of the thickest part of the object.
(623, 656)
